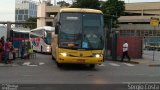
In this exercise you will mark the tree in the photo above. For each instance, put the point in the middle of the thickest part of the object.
(112, 9)
(93, 4)
(31, 23)
(63, 4)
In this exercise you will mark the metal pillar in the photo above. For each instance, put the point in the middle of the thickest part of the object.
(8, 29)
(114, 46)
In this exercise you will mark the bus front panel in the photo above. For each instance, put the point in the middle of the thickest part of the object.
(79, 56)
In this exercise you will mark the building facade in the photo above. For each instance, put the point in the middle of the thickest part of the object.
(46, 13)
(136, 22)
(25, 9)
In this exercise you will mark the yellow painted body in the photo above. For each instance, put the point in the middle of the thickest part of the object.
(79, 56)
(76, 56)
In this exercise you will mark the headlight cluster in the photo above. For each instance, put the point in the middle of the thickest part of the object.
(64, 54)
(97, 55)
(48, 48)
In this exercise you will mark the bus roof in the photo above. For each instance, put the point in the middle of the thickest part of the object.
(82, 10)
(21, 31)
(48, 28)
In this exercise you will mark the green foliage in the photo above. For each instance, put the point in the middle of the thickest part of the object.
(93, 4)
(112, 9)
(63, 4)
(31, 23)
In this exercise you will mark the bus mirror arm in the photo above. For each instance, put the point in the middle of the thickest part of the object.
(58, 23)
(56, 29)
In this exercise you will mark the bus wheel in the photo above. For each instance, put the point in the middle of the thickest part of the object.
(92, 65)
(41, 49)
(59, 64)
(53, 58)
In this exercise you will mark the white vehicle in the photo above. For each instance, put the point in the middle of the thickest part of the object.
(41, 39)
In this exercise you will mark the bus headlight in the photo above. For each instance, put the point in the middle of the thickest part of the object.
(64, 54)
(97, 55)
(48, 47)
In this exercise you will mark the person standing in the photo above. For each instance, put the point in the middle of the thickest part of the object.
(2, 40)
(1, 51)
(11, 51)
(125, 51)
(6, 51)
(22, 50)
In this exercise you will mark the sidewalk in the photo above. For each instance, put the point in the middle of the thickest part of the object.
(145, 61)
(19, 62)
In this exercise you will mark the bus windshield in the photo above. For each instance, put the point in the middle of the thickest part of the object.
(48, 37)
(81, 31)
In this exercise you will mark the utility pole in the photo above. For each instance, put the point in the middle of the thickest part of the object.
(154, 22)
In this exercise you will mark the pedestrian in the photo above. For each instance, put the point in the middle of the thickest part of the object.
(1, 51)
(6, 51)
(22, 50)
(125, 51)
(11, 52)
(2, 40)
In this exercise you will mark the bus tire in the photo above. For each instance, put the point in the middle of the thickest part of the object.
(53, 58)
(41, 49)
(92, 65)
(59, 64)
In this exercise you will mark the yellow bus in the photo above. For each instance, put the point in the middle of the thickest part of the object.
(79, 37)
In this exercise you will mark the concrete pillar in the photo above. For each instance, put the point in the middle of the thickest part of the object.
(41, 14)
(142, 12)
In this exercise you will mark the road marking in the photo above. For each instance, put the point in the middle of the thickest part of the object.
(41, 63)
(114, 64)
(26, 63)
(102, 65)
(128, 64)
(32, 65)
(27, 75)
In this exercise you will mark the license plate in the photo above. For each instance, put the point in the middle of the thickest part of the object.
(81, 60)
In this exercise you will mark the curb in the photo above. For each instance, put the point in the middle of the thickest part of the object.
(132, 62)
(154, 65)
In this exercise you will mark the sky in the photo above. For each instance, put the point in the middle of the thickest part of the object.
(7, 8)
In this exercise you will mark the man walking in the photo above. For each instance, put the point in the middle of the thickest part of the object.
(125, 51)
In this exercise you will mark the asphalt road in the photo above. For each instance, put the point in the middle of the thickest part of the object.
(43, 71)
